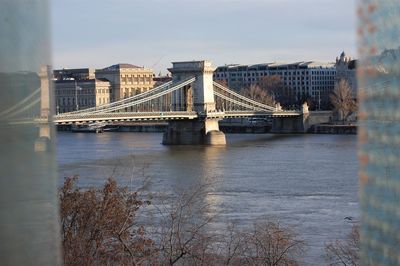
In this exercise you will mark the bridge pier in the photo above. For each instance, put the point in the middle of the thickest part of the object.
(285, 125)
(194, 132)
(301, 123)
(200, 98)
(296, 124)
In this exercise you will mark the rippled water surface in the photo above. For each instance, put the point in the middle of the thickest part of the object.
(309, 181)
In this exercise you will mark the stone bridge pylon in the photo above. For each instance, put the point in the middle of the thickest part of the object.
(199, 97)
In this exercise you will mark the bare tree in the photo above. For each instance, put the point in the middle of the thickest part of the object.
(183, 234)
(272, 244)
(256, 93)
(102, 227)
(222, 82)
(267, 243)
(281, 93)
(99, 226)
(343, 100)
(345, 252)
(231, 244)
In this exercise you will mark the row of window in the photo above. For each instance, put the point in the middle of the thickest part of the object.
(82, 91)
(273, 72)
(70, 101)
(323, 83)
(136, 80)
(103, 100)
(104, 91)
(323, 77)
(136, 75)
(73, 91)
(134, 91)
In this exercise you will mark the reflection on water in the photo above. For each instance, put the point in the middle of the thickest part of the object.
(309, 181)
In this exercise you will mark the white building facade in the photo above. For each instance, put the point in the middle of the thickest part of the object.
(304, 79)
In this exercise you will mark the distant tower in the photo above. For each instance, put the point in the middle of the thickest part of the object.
(43, 142)
(198, 97)
(346, 70)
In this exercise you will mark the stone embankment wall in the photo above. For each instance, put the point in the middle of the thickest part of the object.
(333, 129)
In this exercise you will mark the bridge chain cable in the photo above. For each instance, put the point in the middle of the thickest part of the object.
(251, 107)
(250, 101)
(19, 104)
(148, 98)
(23, 109)
(237, 95)
(122, 101)
(134, 103)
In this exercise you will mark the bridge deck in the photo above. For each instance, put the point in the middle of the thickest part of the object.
(140, 116)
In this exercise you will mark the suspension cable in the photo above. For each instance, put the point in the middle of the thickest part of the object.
(16, 106)
(140, 101)
(264, 106)
(230, 100)
(132, 98)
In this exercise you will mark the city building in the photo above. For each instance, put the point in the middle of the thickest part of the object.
(126, 79)
(74, 73)
(309, 79)
(346, 70)
(82, 88)
(75, 94)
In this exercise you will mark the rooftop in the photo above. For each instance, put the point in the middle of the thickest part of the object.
(304, 64)
(121, 65)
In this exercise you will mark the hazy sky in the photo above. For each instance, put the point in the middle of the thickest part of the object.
(153, 33)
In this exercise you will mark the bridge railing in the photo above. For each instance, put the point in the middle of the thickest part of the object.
(125, 116)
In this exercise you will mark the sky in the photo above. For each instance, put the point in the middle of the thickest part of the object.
(154, 33)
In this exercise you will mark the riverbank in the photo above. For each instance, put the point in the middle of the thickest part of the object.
(333, 129)
(227, 128)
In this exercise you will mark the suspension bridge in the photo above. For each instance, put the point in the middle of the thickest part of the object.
(192, 103)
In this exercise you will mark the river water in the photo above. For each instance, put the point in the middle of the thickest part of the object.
(307, 181)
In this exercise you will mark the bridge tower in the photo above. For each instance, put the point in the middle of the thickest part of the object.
(42, 143)
(198, 97)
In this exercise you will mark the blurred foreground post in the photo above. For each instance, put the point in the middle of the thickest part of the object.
(29, 225)
(379, 131)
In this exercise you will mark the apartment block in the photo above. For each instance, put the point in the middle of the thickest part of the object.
(304, 79)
